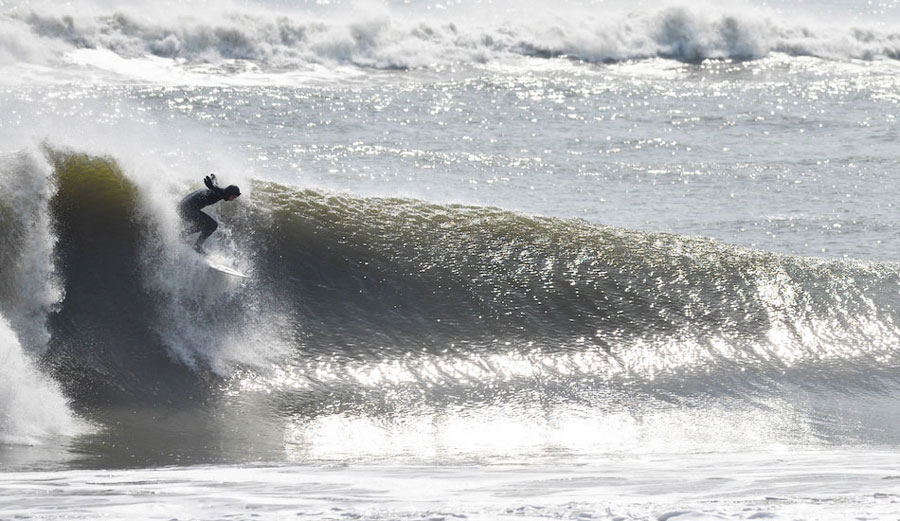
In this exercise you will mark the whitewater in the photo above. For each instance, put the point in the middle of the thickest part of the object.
(508, 260)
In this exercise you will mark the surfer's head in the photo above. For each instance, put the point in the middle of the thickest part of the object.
(232, 192)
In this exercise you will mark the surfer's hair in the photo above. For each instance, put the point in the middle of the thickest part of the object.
(232, 190)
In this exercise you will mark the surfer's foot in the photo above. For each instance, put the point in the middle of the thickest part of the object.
(199, 249)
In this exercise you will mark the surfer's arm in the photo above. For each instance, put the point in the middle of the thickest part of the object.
(210, 182)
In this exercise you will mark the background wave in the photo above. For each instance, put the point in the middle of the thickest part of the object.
(376, 37)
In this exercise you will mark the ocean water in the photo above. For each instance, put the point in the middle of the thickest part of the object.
(509, 260)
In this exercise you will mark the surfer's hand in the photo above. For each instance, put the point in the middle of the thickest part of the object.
(210, 181)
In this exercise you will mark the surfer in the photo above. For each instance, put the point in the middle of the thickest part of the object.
(193, 219)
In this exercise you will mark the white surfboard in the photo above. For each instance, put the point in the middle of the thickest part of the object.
(226, 269)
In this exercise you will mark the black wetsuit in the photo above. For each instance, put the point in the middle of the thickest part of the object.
(196, 220)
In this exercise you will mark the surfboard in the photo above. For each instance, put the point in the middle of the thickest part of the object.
(226, 269)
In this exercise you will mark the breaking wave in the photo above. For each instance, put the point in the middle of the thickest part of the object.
(375, 304)
(378, 37)
(369, 279)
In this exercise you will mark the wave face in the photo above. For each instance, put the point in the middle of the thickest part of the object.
(379, 306)
(393, 275)
(378, 37)
(346, 279)
(103, 344)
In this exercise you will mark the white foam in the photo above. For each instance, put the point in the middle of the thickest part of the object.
(19, 43)
(210, 319)
(225, 38)
(29, 289)
(800, 484)
(32, 406)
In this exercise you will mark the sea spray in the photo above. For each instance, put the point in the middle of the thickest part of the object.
(209, 319)
(143, 313)
(31, 403)
(29, 288)
(206, 318)
(32, 406)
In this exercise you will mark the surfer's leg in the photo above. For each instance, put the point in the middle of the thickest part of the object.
(207, 226)
(190, 224)
(188, 228)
